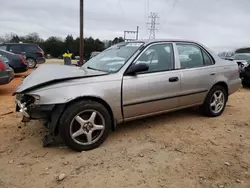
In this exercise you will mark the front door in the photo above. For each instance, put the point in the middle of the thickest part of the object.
(197, 74)
(152, 91)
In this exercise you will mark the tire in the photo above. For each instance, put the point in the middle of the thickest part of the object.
(69, 125)
(31, 63)
(208, 108)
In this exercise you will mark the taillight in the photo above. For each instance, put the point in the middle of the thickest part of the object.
(41, 52)
(2, 67)
(23, 61)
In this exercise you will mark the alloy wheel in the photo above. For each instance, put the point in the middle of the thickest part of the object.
(217, 102)
(87, 127)
(31, 63)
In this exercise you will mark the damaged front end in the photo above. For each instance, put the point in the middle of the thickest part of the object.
(28, 106)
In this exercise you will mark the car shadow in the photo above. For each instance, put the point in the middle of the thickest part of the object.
(157, 120)
(141, 124)
(20, 76)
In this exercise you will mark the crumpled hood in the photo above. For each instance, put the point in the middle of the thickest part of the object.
(49, 74)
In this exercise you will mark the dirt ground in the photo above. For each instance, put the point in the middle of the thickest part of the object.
(177, 150)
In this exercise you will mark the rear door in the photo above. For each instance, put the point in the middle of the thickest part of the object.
(197, 73)
(16, 48)
(155, 90)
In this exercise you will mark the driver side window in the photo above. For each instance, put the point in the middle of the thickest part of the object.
(159, 57)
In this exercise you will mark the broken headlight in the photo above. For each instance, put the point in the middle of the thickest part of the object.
(28, 99)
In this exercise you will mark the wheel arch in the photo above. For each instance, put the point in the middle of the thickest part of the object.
(99, 100)
(222, 84)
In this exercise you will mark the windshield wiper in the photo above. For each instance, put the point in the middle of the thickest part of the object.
(96, 69)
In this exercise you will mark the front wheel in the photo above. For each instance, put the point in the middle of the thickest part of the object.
(215, 102)
(85, 125)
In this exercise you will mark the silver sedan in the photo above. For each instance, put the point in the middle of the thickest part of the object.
(127, 81)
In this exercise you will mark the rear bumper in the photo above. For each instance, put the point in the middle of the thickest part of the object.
(8, 76)
(40, 60)
(234, 86)
(20, 69)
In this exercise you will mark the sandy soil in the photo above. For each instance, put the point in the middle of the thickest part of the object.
(176, 150)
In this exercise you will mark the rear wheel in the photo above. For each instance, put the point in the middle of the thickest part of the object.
(31, 63)
(85, 125)
(215, 102)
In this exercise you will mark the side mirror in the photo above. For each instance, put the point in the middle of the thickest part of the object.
(135, 68)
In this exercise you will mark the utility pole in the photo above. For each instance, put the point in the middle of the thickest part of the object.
(81, 50)
(133, 32)
(153, 22)
(137, 32)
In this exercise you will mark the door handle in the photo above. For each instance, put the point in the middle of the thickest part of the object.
(213, 73)
(173, 79)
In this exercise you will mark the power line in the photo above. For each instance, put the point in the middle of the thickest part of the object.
(164, 7)
(114, 11)
(153, 22)
(145, 11)
(171, 11)
(122, 12)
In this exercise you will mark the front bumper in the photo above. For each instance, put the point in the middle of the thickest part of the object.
(50, 113)
(34, 111)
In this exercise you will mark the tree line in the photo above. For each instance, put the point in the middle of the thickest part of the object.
(56, 46)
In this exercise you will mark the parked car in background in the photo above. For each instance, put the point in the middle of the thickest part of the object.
(16, 61)
(240, 58)
(245, 75)
(33, 53)
(93, 54)
(121, 84)
(6, 72)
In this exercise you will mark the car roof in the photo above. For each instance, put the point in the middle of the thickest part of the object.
(148, 41)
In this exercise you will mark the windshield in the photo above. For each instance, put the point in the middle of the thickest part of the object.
(241, 57)
(112, 59)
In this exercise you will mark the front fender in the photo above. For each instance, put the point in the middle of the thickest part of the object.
(109, 91)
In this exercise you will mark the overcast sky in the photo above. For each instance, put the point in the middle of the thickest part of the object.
(219, 24)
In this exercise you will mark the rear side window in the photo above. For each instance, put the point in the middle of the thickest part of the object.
(3, 47)
(207, 59)
(32, 48)
(15, 48)
(190, 56)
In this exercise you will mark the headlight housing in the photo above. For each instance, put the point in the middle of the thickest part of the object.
(28, 98)
(36, 98)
